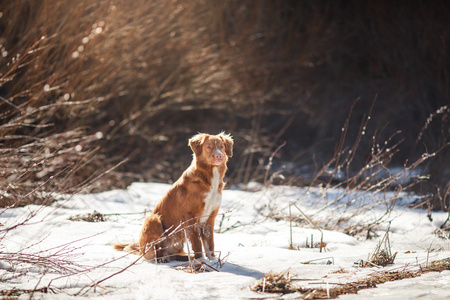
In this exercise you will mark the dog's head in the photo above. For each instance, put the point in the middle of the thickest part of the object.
(213, 149)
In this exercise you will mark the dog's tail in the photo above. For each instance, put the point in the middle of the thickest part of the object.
(132, 247)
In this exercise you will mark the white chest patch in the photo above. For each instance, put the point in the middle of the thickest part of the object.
(213, 197)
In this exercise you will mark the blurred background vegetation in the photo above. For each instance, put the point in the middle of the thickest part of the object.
(114, 88)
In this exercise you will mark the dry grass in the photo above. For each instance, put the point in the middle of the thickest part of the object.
(16, 293)
(268, 72)
(382, 255)
(274, 283)
(90, 217)
(197, 267)
(283, 283)
(341, 190)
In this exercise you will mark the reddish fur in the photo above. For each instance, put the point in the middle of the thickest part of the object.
(184, 205)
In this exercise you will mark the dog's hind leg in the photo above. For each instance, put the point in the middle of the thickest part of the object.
(151, 232)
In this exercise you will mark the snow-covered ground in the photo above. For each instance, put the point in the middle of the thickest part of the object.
(250, 243)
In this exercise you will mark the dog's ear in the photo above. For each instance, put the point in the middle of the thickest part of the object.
(196, 143)
(228, 140)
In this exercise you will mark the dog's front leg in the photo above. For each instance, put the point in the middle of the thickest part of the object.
(194, 237)
(207, 234)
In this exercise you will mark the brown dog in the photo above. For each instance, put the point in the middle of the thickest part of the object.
(192, 203)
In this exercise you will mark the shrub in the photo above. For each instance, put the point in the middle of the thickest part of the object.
(146, 75)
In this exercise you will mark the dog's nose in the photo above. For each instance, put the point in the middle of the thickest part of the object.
(218, 154)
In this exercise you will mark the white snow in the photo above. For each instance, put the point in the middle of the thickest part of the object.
(252, 235)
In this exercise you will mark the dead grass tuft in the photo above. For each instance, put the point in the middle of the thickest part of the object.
(196, 267)
(275, 283)
(90, 217)
(382, 255)
(17, 293)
